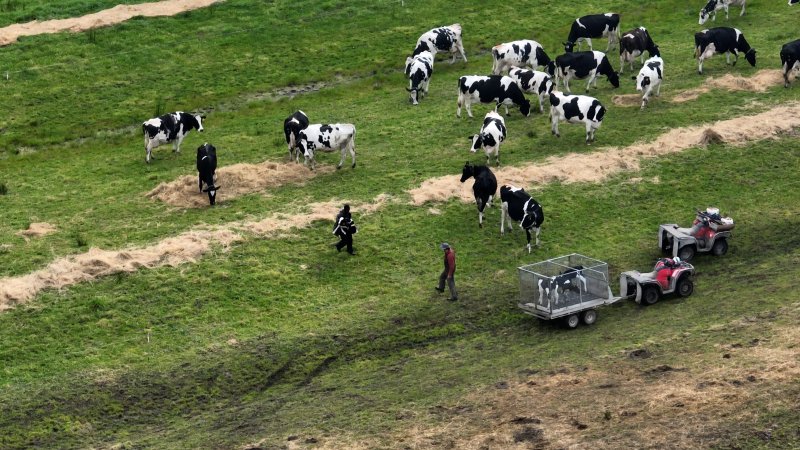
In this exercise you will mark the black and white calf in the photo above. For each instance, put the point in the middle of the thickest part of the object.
(524, 53)
(570, 279)
(790, 59)
(722, 40)
(172, 127)
(649, 79)
(419, 69)
(633, 44)
(206, 166)
(442, 39)
(576, 109)
(580, 65)
(711, 8)
(501, 90)
(493, 133)
(533, 82)
(485, 186)
(292, 126)
(593, 26)
(522, 208)
(328, 138)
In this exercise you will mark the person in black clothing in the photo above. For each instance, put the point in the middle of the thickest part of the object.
(345, 228)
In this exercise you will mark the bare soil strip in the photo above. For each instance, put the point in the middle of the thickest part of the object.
(111, 16)
(629, 403)
(235, 181)
(599, 165)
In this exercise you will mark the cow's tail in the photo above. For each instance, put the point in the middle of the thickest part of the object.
(292, 141)
(495, 58)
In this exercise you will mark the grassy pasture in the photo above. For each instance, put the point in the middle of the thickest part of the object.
(326, 345)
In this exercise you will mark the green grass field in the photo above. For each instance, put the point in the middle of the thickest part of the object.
(282, 336)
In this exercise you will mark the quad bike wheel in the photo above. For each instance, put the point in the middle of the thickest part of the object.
(650, 295)
(686, 253)
(720, 247)
(685, 286)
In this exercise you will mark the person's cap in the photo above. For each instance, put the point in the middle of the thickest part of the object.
(444, 245)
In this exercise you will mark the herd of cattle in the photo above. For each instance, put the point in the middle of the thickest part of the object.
(520, 59)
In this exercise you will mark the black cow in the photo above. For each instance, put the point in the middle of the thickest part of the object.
(487, 89)
(582, 65)
(790, 59)
(485, 186)
(593, 26)
(206, 166)
(292, 126)
(633, 44)
(520, 207)
(722, 40)
(172, 127)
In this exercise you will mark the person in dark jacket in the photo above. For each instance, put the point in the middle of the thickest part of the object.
(449, 271)
(345, 228)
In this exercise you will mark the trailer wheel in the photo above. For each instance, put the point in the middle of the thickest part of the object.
(720, 247)
(649, 295)
(685, 286)
(589, 316)
(686, 253)
(572, 321)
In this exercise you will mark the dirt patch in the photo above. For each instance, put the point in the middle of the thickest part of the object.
(111, 16)
(37, 229)
(641, 353)
(627, 100)
(760, 82)
(234, 181)
(597, 166)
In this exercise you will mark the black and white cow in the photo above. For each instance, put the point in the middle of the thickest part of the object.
(593, 26)
(292, 126)
(533, 82)
(790, 59)
(570, 279)
(485, 186)
(576, 109)
(442, 39)
(206, 166)
(793, 2)
(649, 79)
(172, 127)
(722, 40)
(633, 44)
(522, 208)
(711, 8)
(524, 53)
(492, 134)
(328, 138)
(580, 65)
(419, 69)
(501, 90)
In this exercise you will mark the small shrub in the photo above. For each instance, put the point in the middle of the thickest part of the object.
(80, 240)
(3, 189)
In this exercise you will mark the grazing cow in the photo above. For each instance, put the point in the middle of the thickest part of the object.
(519, 206)
(328, 138)
(418, 70)
(792, 2)
(650, 76)
(524, 53)
(722, 40)
(485, 186)
(206, 166)
(790, 59)
(593, 26)
(495, 88)
(292, 126)
(533, 82)
(580, 65)
(633, 44)
(172, 127)
(493, 133)
(576, 109)
(565, 281)
(442, 39)
(711, 8)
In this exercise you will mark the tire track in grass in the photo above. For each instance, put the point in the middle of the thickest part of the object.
(570, 168)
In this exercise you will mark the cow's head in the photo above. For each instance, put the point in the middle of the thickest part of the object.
(477, 142)
(525, 107)
(654, 51)
(308, 151)
(467, 172)
(642, 81)
(568, 46)
(200, 118)
(750, 56)
(705, 13)
(212, 193)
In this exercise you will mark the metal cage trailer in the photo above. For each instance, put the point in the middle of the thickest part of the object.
(569, 287)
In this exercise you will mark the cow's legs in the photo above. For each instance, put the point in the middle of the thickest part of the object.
(554, 123)
(468, 104)
(460, 103)
(589, 40)
(700, 65)
(352, 148)
(592, 79)
(588, 132)
(728, 58)
(735, 58)
(622, 64)
(541, 103)
(178, 144)
(725, 6)
(743, 6)
(566, 84)
(528, 234)
(538, 230)
(461, 50)
(200, 183)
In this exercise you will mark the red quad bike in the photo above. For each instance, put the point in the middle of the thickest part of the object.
(710, 232)
(670, 275)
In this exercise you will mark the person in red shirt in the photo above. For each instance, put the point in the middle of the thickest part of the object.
(449, 271)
